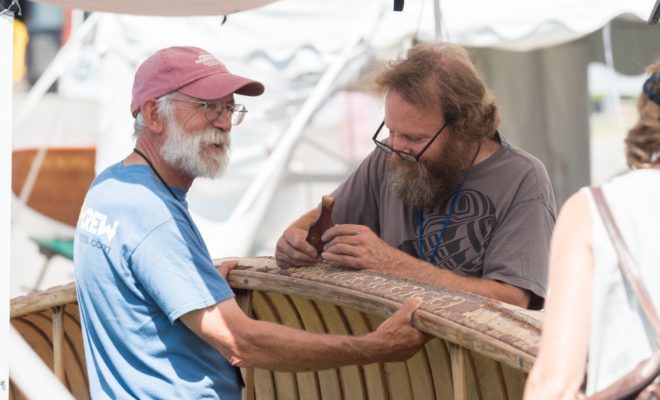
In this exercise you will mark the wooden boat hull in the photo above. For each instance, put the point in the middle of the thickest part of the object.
(61, 183)
(482, 349)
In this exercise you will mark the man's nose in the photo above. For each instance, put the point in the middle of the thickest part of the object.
(395, 156)
(223, 122)
(398, 143)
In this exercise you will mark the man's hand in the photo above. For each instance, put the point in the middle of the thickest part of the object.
(293, 250)
(357, 246)
(225, 266)
(397, 334)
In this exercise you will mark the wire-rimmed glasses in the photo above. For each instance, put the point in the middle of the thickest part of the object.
(404, 155)
(214, 110)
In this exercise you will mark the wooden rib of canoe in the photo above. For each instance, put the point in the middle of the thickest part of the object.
(482, 349)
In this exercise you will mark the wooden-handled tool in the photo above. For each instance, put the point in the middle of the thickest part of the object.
(322, 224)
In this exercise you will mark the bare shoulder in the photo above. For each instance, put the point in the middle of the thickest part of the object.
(575, 217)
(576, 205)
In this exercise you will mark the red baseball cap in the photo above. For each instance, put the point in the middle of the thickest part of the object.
(191, 71)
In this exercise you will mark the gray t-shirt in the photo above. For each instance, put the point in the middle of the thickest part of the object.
(500, 229)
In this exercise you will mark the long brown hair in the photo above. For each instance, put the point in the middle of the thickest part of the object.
(643, 140)
(440, 76)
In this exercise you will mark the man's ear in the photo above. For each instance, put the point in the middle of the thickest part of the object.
(152, 118)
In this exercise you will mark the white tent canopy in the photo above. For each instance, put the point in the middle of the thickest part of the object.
(170, 8)
(521, 25)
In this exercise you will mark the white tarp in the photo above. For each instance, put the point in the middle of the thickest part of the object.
(524, 25)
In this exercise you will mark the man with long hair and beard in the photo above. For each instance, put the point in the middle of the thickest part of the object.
(159, 320)
(444, 199)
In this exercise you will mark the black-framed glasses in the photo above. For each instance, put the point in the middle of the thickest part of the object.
(214, 110)
(404, 155)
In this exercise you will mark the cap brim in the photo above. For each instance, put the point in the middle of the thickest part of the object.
(220, 85)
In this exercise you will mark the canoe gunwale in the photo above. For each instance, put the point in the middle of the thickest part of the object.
(43, 300)
(496, 330)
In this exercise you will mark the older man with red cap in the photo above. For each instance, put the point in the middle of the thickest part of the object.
(158, 318)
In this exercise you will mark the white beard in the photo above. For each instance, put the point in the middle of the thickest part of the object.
(188, 153)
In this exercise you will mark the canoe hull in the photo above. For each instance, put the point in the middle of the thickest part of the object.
(482, 349)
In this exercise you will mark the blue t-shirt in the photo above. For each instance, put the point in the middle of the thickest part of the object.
(140, 264)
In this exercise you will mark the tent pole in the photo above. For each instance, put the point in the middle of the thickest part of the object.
(252, 207)
(437, 15)
(6, 87)
(613, 94)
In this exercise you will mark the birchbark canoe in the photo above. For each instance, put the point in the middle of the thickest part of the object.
(482, 349)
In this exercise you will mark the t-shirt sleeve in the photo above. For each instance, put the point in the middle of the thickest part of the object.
(519, 248)
(177, 273)
(356, 199)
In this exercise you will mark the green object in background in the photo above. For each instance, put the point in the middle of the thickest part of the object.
(52, 247)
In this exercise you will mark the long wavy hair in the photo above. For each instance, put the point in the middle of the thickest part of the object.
(643, 139)
(440, 76)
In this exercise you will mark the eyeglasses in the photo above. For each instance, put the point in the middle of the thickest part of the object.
(214, 110)
(404, 155)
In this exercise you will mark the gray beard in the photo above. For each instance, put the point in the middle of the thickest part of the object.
(184, 151)
(429, 184)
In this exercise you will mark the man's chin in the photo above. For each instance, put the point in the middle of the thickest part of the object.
(213, 174)
(421, 200)
(419, 190)
(208, 173)
(412, 190)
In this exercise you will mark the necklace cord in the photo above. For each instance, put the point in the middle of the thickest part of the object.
(169, 189)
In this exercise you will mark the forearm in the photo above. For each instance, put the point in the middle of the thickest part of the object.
(357, 246)
(545, 384)
(245, 342)
(492, 289)
(250, 343)
(281, 348)
(411, 268)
